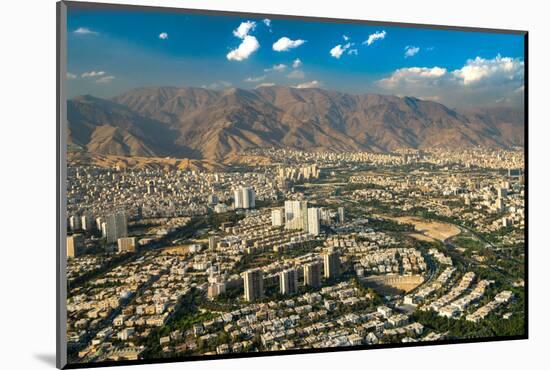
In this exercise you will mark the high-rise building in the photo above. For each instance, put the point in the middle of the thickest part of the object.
(150, 188)
(86, 223)
(293, 173)
(499, 205)
(277, 217)
(126, 244)
(99, 223)
(249, 198)
(313, 221)
(295, 215)
(341, 218)
(310, 171)
(288, 280)
(331, 262)
(253, 284)
(325, 216)
(75, 245)
(212, 242)
(312, 274)
(215, 289)
(238, 198)
(115, 226)
(74, 223)
(244, 197)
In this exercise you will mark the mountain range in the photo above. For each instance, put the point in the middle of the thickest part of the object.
(197, 123)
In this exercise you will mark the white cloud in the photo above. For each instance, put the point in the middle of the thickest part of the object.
(479, 69)
(297, 63)
(267, 22)
(353, 52)
(265, 84)
(255, 79)
(92, 74)
(413, 75)
(308, 85)
(244, 29)
(84, 31)
(411, 51)
(285, 44)
(338, 50)
(379, 35)
(296, 74)
(105, 79)
(98, 76)
(163, 36)
(248, 46)
(277, 68)
(71, 76)
(479, 81)
(345, 37)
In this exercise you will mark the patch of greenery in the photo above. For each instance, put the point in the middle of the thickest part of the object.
(492, 326)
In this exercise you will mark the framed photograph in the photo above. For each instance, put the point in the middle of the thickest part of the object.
(236, 184)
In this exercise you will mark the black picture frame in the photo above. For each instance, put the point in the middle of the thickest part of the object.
(61, 146)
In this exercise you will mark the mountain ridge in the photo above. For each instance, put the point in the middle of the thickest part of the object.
(216, 125)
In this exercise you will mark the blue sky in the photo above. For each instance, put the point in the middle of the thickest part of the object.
(112, 51)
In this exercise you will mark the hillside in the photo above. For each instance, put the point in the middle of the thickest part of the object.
(218, 125)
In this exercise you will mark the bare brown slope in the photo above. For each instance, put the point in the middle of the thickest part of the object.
(167, 104)
(102, 126)
(115, 161)
(221, 124)
(507, 123)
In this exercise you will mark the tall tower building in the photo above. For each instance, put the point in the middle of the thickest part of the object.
(212, 242)
(244, 197)
(313, 221)
(99, 221)
(150, 188)
(288, 280)
(312, 274)
(253, 284)
(238, 198)
(341, 218)
(86, 223)
(499, 205)
(116, 226)
(331, 262)
(249, 197)
(295, 215)
(277, 217)
(75, 245)
(74, 223)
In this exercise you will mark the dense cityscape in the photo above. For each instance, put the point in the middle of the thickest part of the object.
(306, 250)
